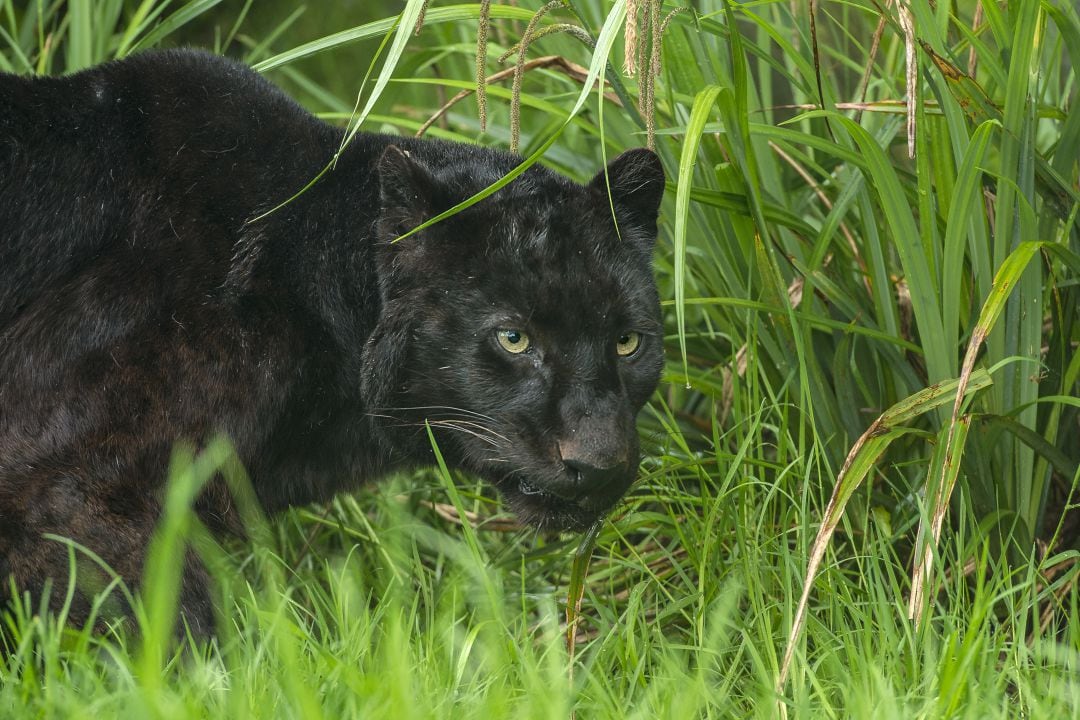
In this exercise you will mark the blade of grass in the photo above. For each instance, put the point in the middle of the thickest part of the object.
(944, 470)
(699, 115)
(405, 25)
(964, 211)
(378, 28)
(80, 38)
(145, 14)
(575, 591)
(173, 22)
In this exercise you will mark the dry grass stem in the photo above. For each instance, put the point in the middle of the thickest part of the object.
(820, 193)
(481, 61)
(864, 81)
(421, 17)
(630, 33)
(548, 62)
(973, 57)
(519, 72)
(911, 75)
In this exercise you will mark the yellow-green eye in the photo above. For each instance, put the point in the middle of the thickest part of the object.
(513, 341)
(628, 343)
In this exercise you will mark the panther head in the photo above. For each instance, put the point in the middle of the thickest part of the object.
(525, 330)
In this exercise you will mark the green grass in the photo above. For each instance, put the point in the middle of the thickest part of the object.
(818, 282)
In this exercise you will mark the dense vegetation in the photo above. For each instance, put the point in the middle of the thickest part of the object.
(869, 259)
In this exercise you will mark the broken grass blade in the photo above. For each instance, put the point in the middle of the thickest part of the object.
(932, 397)
(946, 468)
(576, 587)
(860, 460)
(1005, 281)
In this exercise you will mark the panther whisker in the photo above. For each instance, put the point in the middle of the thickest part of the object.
(453, 426)
(430, 418)
(449, 420)
(493, 439)
(463, 411)
(483, 428)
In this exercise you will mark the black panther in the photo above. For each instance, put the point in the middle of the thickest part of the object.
(154, 289)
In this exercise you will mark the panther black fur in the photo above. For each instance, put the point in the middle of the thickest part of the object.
(146, 298)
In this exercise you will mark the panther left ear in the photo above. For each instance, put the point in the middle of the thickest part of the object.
(636, 179)
(405, 190)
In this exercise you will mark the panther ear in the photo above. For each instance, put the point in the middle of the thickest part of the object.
(405, 190)
(636, 179)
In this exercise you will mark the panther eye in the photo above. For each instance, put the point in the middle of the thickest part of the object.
(513, 341)
(628, 343)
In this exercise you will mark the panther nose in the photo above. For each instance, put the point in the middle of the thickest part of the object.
(591, 478)
(592, 468)
(587, 479)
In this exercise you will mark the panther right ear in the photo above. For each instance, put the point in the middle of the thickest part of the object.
(636, 181)
(406, 190)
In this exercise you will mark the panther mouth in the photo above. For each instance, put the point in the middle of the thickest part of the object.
(539, 504)
(527, 488)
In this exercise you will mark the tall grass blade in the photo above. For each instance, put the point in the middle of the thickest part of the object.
(174, 22)
(378, 28)
(699, 115)
(405, 24)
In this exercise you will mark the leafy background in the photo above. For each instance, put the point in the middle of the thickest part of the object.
(858, 495)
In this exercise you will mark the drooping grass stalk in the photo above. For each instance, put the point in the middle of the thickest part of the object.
(481, 61)
(519, 71)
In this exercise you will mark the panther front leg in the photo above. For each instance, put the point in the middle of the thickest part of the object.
(51, 525)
